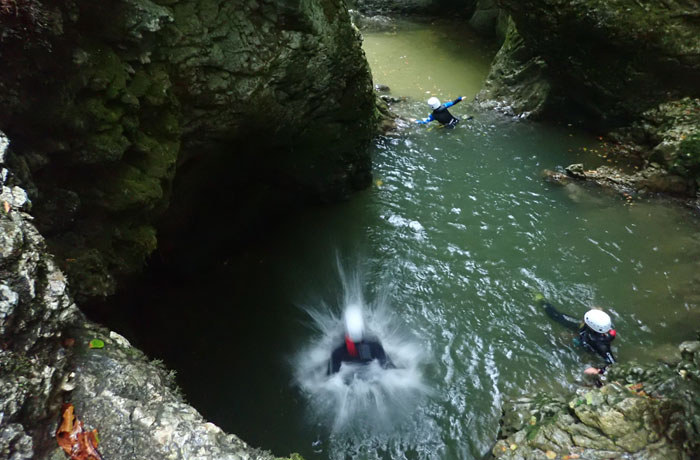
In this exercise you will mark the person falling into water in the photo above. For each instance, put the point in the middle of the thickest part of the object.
(595, 333)
(357, 346)
(441, 114)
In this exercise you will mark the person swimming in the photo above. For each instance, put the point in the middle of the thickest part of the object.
(594, 334)
(357, 347)
(440, 113)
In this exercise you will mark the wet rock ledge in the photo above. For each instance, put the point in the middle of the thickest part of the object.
(642, 412)
(46, 360)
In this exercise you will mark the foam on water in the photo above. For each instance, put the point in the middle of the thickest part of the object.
(360, 398)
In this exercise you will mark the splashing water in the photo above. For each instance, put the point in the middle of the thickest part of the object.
(360, 398)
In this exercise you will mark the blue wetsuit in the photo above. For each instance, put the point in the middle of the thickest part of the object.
(443, 115)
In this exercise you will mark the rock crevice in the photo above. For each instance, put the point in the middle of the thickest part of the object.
(50, 354)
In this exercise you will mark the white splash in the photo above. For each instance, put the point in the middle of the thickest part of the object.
(360, 397)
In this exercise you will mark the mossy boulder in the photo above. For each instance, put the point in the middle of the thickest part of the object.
(645, 412)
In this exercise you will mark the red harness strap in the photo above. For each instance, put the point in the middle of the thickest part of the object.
(350, 345)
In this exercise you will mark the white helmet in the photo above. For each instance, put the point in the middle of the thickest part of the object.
(434, 103)
(597, 320)
(354, 323)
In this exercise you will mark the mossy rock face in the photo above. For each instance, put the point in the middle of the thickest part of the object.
(517, 84)
(628, 67)
(614, 59)
(136, 87)
(669, 136)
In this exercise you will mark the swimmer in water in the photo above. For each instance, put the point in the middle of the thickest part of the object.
(595, 333)
(357, 346)
(440, 113)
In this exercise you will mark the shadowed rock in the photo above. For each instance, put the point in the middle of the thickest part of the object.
(46, 359)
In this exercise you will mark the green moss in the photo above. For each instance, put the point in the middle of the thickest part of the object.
(19, 365)
(106, 146)
(96, 111)
(130, 123)
(531, 431)
(293, 456)
(139, 84)
(153, 156)
(106, 72)
(169, 125)
(87, 269)
(689, 154)
(128, 188)
(151, 87)
(133, 244)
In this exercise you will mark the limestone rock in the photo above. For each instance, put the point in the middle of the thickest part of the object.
(576, 170)
(45, 360)
(641, 413)
(631, 66)
(669, 135)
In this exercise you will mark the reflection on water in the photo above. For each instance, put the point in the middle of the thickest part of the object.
(455, 233)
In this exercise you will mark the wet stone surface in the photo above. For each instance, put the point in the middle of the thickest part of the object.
(640, 412)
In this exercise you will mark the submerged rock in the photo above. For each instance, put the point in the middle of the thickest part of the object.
(376, 23)
(648, 181)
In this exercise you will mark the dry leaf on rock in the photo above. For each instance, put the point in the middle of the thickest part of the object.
(74, 440)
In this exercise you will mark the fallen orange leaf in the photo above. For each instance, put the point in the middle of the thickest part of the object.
(74, 440)
(6, 205)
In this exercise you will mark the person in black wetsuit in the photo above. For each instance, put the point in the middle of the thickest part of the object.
(440, 113)
(356, 348)
(595, 333)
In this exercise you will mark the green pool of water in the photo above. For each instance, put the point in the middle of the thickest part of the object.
(419, 60)
(458, 229)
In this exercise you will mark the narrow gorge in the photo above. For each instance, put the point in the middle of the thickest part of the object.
(193, 190)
